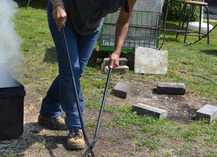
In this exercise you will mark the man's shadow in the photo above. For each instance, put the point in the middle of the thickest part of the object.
(31, 136)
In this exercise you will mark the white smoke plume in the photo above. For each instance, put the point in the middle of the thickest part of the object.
(9, 40)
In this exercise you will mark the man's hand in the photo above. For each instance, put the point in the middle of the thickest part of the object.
(114, 60)
(59, 15)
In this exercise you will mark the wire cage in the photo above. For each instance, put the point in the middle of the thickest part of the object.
(144, 29)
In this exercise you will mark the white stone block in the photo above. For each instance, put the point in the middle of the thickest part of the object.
(152, 61)
(143, 109)
(207, 112)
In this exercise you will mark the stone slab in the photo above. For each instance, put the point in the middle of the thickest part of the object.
(171, 88)
(151, 61)
(143, 109)
(120, 69)
(122, 61)
(207, 112)
(102, 67)
(122, 90)
(99, 60)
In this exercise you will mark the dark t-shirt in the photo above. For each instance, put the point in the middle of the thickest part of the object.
(86, 16)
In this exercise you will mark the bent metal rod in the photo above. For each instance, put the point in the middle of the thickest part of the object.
(90, 146)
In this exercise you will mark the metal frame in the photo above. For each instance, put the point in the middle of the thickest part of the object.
(144, 30)
(181, 22)
(182, 19)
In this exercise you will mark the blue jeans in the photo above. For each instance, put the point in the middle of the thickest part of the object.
(61, 92)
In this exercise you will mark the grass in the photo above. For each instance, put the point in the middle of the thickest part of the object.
(155, 134)
(193, 65)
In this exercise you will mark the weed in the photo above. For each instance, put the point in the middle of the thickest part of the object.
(10, 154)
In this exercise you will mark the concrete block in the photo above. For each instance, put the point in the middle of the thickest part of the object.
(122, 61)
(171, 88)
(150, 61)
(121, 69)
(143, 109)
(106, 61)
(207, 112)
(99, 60)
(102, 67)
(122, 90)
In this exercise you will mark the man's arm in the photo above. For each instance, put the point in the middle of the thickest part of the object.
(121, 33)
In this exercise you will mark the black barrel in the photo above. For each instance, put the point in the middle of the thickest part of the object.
(11, 106)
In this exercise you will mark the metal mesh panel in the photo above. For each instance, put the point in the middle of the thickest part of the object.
(144, 31)
(148, 5)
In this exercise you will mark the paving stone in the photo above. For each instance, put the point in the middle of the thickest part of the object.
(151, 61)
(143, 109)
(102, 67)
(207, 112)
(99, 60)
(122, 90)
(121, 69)
(171, 88)
(122, 61)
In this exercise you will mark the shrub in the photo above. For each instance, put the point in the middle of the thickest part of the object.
(175, 10)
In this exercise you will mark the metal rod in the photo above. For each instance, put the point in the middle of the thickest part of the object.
(27, 4)
(189, 15)
(179, 31)
(207, 9)
(103, 104)
(90, 147)
(75, 88)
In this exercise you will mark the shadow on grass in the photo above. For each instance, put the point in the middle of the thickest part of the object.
(50, 55)
(172, 26)
(167, 39)
(32, 138)
(40, 4)
(171, 31)
(209, 52)
(97, 54)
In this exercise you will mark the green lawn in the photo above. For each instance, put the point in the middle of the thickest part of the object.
(194, 65)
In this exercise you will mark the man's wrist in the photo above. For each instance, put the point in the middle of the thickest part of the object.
(117, 52)
(58, 4)
(54, 2)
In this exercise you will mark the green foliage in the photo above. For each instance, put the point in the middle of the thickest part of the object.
(175, 10)
(10, 154)
(93, 105)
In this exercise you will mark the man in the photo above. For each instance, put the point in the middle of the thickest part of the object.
(82, 21)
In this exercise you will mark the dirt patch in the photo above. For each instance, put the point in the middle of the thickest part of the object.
(115, 141)
(179, 107)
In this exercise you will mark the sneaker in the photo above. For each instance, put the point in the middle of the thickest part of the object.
(75, 139)
(57, 123)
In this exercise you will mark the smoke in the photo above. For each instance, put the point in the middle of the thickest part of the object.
(9, 40)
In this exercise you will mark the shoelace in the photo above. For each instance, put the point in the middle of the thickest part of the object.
(75, 133)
